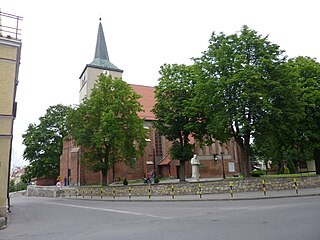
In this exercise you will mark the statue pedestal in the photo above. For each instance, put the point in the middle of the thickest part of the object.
(195, 172)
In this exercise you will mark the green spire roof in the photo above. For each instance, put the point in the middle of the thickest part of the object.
(101, 57)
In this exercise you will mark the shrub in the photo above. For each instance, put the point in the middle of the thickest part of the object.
(157, 179)
(125, 182)
(14, 187)
(257, 173)
(286, 170)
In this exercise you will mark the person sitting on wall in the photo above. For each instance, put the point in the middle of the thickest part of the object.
(147, 178)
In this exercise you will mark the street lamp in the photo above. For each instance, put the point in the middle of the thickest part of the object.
(223, 173)
(153, 155)
(215, 158)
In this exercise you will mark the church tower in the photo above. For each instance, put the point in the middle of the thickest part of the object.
(100, 64)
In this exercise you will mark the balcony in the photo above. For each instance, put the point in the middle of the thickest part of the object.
(9, 26)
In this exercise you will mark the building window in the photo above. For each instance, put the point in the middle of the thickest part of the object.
(214, 150)
(83, 82)
(158, 145)
(207, 150)
(231, 167)
(226, 149)
(200, 151)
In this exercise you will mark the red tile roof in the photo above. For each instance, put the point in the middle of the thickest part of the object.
(165, 161)
(147, 100)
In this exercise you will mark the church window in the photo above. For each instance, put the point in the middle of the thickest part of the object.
(83, 81)
(158, 144)
(214, 150)
(231, 167)
(200, 151)
(226, 149)
(207, 150)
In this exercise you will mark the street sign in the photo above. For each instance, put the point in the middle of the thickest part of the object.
(58, 184)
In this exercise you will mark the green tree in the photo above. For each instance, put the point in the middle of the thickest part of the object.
(238, 73)
(276, 133)
(43, 143)
(107, 126)
(174, 110)
(305, 71)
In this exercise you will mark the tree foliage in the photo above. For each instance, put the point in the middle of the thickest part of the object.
(107, 125)
(244, 88)
(174, 110)
(292, 131)
(305, 72)
(239, 86)
(43, 143)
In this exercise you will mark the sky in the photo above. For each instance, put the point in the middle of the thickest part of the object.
(59, 37)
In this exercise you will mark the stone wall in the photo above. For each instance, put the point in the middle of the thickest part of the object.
(192, 188)
(41, 191)
(188, 188)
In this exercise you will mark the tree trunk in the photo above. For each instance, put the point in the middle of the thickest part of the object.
(316, 156)
(182, 174)
(244, 160)
(104, 177)
(245, 165)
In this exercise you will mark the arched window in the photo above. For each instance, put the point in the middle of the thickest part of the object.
(158, 144)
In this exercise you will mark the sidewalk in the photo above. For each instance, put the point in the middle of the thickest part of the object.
(210, 197)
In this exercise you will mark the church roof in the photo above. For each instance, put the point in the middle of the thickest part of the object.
(101, 46)
(147, 101)
(101, 57)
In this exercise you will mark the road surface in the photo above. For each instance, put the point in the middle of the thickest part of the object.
(263, 219)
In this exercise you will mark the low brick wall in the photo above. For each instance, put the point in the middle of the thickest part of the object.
(192, 188)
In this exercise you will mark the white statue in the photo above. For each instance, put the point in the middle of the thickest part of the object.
(195, 167)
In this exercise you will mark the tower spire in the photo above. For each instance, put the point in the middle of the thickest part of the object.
(101, 46)
(101, 57)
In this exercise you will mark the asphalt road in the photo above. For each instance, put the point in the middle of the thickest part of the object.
(263, 219)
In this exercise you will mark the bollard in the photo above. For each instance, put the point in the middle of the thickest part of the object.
(69, 193)
(114, 193)
(149, 191)
(172, 191)
(296, 185)
(91, 193)
(82, 193)
(101, 192)
(76, 192)
(231, 190)
(129, 189)
(200, 191)
(264, 188)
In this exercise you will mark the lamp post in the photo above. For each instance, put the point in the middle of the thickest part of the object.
(223, 173)
(153, 155)
(215, 158)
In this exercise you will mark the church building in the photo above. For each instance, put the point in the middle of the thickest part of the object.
(216, 160)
